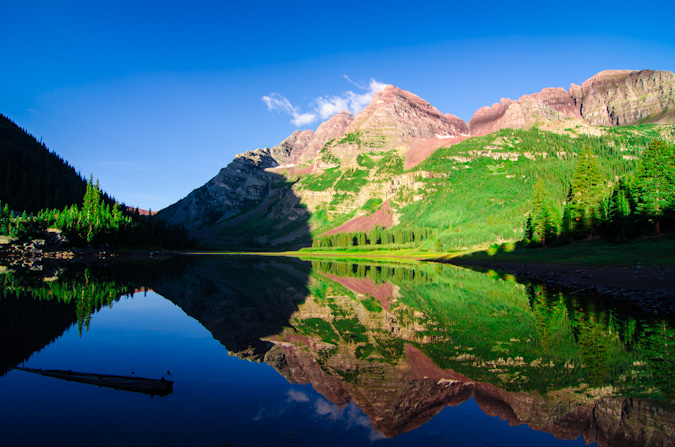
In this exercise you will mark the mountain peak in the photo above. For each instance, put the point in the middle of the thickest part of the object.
(399, 114)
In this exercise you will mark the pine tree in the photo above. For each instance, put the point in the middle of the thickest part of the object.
(586, 194)
(543, 222)
(655, 182)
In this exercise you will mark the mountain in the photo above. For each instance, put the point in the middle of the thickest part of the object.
(31, 177)
(247, 183)
(402, 163)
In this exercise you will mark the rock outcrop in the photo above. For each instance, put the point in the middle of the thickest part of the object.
(304, 146)
(249, 181)
(623, 97)
(243, 184)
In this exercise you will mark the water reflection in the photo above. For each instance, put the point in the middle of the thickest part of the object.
(402, 343)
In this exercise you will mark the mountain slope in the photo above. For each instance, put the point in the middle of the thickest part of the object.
(417, 166)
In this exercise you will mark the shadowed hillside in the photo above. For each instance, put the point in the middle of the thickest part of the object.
(31, 177)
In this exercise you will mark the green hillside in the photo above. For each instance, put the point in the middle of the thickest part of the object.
(480, 191)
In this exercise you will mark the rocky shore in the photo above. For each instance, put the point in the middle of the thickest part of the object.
(54, 247)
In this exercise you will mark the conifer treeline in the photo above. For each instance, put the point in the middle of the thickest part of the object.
(633, 204)
(95, 221)
(376, 236)
(377, 273)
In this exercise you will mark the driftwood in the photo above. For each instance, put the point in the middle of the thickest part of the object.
(153, 387)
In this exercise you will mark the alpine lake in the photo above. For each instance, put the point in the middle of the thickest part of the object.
(272, 351)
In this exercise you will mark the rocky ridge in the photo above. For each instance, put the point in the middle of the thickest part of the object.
(549, 105)
(609, 98)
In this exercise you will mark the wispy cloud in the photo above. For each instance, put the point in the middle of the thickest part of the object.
(326, 106)
(279, 103)
(297, 396)
(325, 408)
(352, 101)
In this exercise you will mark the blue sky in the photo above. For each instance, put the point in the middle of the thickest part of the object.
(153, 98)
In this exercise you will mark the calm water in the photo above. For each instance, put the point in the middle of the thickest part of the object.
(282, 352)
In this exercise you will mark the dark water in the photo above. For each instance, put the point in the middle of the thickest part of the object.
(266, 351)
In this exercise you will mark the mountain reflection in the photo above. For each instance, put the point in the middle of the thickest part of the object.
(403, 342)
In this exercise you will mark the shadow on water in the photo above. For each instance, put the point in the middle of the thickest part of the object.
(37, 305)
(28, 325)
(239, 300)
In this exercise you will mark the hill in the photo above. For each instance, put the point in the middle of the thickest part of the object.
(401, 164)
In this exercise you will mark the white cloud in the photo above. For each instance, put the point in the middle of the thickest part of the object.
(352, 101)
(297, 396)
(277, 102)
(325, 408)
(325, 107)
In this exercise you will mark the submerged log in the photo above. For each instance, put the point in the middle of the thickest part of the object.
(153, 387)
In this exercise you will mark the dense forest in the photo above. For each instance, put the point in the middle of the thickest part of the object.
(622, 207)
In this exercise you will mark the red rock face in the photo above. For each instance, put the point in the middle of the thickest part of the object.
(421, 148)
(551, 104)
(383, 292)
(610, 98)
(383, 217)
